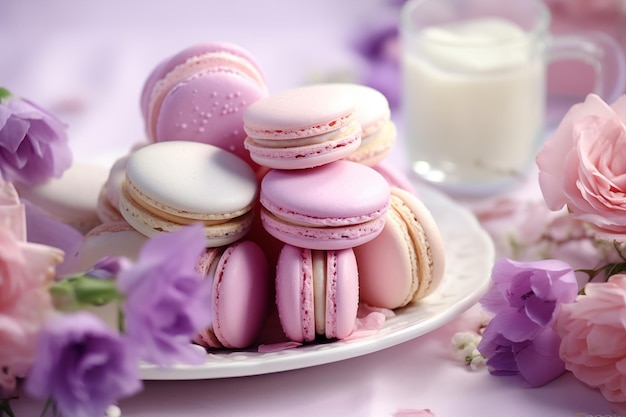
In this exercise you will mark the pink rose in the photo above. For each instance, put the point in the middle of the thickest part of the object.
(590, 8)
(25, 269)
(583, 166)
(593, 333)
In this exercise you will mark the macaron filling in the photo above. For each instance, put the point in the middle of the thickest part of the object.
(164, 212)
(349, 129)
(318, 260)
(420, 244)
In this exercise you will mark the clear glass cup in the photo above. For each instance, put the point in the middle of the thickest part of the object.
(474, 87)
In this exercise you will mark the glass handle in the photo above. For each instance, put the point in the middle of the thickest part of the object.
(602, 53)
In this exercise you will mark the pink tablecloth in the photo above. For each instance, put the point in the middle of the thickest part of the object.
(87, 62)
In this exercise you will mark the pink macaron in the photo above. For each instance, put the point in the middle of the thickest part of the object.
(199, 95)
(378, 131)
(334, 206)
(406, 262)
(241, 298)
(317, 293)
(302, 127)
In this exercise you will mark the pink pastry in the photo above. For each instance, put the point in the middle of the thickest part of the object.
(302, 128)
(406, 262)
(378, 131)
(199, 95)
(112, 238)
(241, 294)
(334, 206)
(317, 293)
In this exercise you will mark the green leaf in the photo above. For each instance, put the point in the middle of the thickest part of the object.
(4, 94)
(82, 291)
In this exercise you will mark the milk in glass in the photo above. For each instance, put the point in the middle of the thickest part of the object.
(474, 101)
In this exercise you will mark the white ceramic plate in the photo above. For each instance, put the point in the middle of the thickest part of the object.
(470, 255)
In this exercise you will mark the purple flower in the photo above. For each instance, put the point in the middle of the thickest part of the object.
(525, 299)
(33, 142)
(380, 49)
(167, 300)
(109, 267)
(537, 361)
(83, 365)
(525, 296)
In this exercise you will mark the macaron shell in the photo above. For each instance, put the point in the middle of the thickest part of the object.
(321, 238)
(106, 211)
(388, 269)
(371, 106)
(375, 147)
(335, 206)
(342, 293)
(427, 238)
(208, 107)
(406, 262)
(300, 112)
(336, 194)
(241, 295)
(344, 143)
(192, 60)
(150, 225)
(294, 293)
(194, 180)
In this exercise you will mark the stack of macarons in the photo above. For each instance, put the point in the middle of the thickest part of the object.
(315, 201)
(292, 184)
(337, 213)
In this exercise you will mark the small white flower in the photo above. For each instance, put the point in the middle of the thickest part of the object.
(477, 360)
(464, 343)
(113, 411)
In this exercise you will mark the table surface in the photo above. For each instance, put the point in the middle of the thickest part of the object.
(87, 61)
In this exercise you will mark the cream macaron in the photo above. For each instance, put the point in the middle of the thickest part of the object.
(406, 261)
(172, 184)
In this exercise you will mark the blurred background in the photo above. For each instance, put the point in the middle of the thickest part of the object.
(87, 61)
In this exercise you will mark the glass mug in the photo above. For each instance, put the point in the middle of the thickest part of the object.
(474, 87)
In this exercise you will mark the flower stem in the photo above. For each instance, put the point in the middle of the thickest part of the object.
(80, 291)
(5, 407)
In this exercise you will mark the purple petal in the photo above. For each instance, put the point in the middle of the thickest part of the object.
(514, 325)
(540, 312)
(33, 143)
(83, 365)
(42, 228)
(540, 363)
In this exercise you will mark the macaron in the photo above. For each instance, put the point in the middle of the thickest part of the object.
(317, 293)
(378, 131)
(406, 261)
(107, 239)
(241, 297)
(172, 184)
(302, 127)
(334, 206)
(199, 94)
(72, 198)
